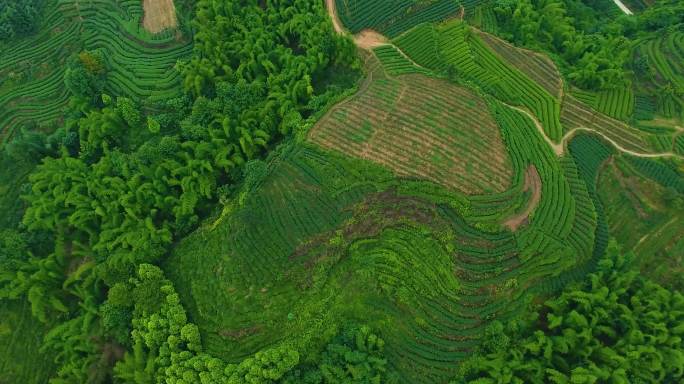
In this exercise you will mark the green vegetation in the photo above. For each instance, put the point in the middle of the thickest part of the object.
(394, 17)
(256, 197)
(18, 18)
(617, 327)
(453, 145)
(658, 62)
(463, 56)
(592, 60)
(22, 337)
(137, 64)
(394, 62)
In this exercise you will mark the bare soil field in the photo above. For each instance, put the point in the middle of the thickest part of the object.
(159, 15)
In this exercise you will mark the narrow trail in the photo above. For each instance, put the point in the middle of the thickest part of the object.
(332, 10)
(559, 148)
(622, 7)
(369, 39)
(366, 39)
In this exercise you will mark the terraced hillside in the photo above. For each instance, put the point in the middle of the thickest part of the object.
(342, 225)
(459, 53)
(322, 237)
(398, 195)
(391, 17)
(421, 128)
(140, 65)
(663, 77)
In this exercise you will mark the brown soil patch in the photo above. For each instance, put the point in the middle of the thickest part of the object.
(159, 15)
(533, 183)
(421, 128)
(366, 39)
(332, 10)
(369, 39)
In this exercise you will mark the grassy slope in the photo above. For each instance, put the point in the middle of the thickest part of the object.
(323, 239)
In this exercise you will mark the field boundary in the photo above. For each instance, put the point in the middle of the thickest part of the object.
(559, 148)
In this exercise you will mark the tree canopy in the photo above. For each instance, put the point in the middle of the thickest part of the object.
(618, 327)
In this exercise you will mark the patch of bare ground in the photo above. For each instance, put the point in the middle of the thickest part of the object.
(369, 39)
(534, 185)
(237, 334)
(159, 15)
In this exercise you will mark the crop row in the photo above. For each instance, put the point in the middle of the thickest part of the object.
(466, 56)
(31, 89)
(137, 67)
(520, 89)
(394, 62)
(665, 55)
(421, 128)
(576, 114)
(679, 144)
(617, 103)
(563, 236)
(422, 46)
(538, 68)
(391, 17)
(658, 172)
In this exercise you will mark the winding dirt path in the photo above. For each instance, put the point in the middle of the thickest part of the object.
(366, 39)
(533, 183)
(369, 39)
(559, 148)
(332, 10)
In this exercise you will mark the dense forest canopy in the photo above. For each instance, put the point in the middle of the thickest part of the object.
(617, 327)
(591, 42)
(319, 192)
(18, 17)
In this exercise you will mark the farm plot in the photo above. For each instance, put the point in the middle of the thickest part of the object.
(619, 103)
(140, 65)
(421, 128)
(335, 239)
(536, 66)
(31, 70)
(395, 63)
(577, 115)
(323, 238)
(422, 45)
(664, 57)
(159, 15)
(464, 56)
(391, 17)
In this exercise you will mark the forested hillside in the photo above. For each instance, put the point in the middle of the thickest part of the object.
(341, 191)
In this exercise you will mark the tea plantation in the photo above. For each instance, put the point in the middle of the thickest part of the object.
(341, 191)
